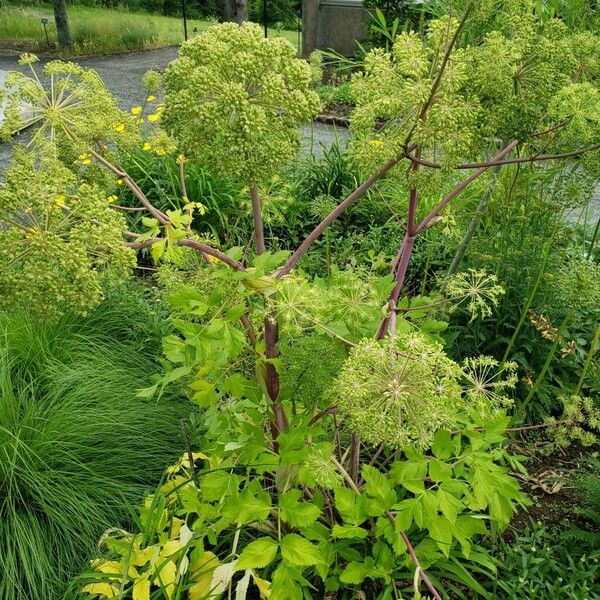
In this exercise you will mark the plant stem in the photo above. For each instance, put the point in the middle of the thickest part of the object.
(530, 299)
(588, 360)
(473, 225)
(594, 238)
(540, 378)
(259, 233)
(335, 214)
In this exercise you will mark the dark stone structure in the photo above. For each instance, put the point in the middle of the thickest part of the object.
(333, 25)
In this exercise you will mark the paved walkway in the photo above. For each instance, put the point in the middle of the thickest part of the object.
(122, 75)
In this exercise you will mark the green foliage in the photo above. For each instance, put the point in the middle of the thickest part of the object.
(585, 535)
(534, 566)
(76, 445)
(58, 238)
(235, 67)
(341, 539)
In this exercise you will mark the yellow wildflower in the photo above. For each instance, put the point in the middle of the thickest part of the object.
(180, 159)
(136, 110)
(59, 201)
(119, 127)
(120, 181)
(147, 146)
(150, 98)
(153, 118)
(160, 151)
(376, 143)
(86, 162)
(111, 199)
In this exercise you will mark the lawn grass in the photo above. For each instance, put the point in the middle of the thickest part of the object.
(98, 30)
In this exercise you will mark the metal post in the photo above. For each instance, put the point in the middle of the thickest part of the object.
(265, 17)
(44, 23)
(184, 11)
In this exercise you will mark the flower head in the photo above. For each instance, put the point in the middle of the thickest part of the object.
(398, 392)
(478, 289)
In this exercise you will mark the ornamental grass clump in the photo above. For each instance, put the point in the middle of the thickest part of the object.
(77, 447)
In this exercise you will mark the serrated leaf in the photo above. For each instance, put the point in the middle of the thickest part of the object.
(356, 572)
(439, 471)
(257, 554)
(298, 514)
(442, 446)
(284, 585)
(298, 551)
(349, 532)
(379, 490)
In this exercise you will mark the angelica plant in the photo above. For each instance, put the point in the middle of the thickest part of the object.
(58, 238)
(432, 117)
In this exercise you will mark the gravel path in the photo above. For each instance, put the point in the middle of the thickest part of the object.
(122, 74)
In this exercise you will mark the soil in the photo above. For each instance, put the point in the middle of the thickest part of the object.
(550, 483)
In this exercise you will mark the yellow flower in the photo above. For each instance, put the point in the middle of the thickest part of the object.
(160, 151)
(120, 182)
(180, 159)
(84, 156)
(376, 143)
(31, 232)
(136, 110)
(111, 199)
(59, 201)
(150, 98)
(147, 146)
(86, 162)
(160, 107)
(119, 127)
(153, 118)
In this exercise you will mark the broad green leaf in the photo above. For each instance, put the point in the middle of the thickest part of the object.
(408, 470)
(379, 490)
(284, 585)
(439, 471)
(216, 484)
(298, 551)
(443, 445)
(248, 507)
(257, 554)
(351, 507)
(296, 513)
(356, 572)
(349, 531)
(449, 505)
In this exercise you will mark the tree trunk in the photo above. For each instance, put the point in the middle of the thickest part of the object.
(234, 10)
(62, 23)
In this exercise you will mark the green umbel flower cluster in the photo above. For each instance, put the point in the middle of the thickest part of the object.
(57, 239)
(236, 99)
(524, 77)
(68, 106)
(399, 392)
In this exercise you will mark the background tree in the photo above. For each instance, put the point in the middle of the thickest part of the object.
(61, 18)
(234, 10)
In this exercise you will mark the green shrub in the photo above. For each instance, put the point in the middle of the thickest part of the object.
(77, 446)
